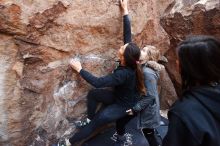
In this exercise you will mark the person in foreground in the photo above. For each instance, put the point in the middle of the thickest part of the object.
(194, 120)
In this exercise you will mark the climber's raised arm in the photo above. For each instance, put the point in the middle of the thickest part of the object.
(126, 22)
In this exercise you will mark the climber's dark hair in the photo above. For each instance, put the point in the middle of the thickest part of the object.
(199, 58)
(131, 55)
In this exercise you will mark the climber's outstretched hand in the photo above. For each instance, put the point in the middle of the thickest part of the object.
(75, 64)
(124, 6)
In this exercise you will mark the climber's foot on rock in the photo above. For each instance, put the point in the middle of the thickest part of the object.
(125, 140)
(82, 123)
(64, 142)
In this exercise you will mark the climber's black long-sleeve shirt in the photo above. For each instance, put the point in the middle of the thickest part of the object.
(123, 79)
(127, 29)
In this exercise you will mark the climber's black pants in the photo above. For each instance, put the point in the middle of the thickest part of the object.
(121, 123)
(96, 96)
(106, 97)
(151, 137)
(108, 115)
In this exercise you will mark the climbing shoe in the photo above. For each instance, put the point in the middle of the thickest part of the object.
(64, 142)
(125, 140)
(82, 123)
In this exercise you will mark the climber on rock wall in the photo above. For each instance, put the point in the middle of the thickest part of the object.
(127, 81)
(194, 120)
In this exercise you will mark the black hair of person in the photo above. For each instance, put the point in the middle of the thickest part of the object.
(199, 61)
(131, 55)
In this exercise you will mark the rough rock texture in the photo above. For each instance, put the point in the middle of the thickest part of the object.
(167, 90)
(40, 96)
(183, 18)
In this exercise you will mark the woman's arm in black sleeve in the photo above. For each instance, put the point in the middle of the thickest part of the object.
(114, 79)
(126, 29)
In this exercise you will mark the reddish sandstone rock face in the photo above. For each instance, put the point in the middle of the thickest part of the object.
(167, 91)
(40, 95)
(185, 18)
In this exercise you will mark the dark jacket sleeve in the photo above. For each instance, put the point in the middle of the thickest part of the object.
(114, 79)
(126, 29)
(178, 134)
(150, 81)
(143, 103)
